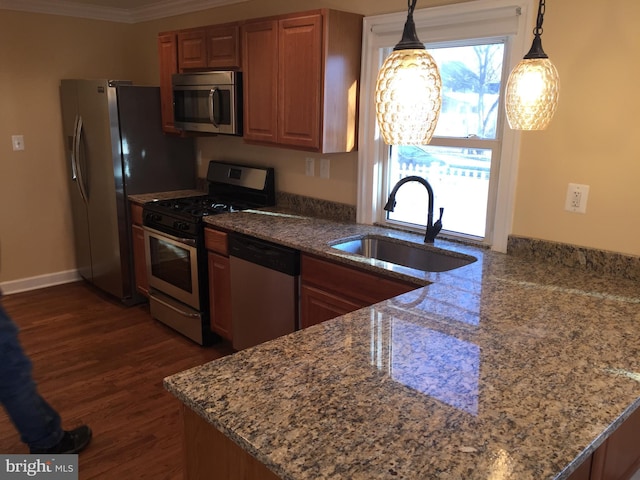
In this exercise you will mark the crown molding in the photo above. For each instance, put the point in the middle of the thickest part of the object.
(162, 9)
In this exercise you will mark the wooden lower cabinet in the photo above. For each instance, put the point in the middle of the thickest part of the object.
(217, 246)
(328, 290)
(318, 306)
(210, 455)
(220, 295)
(583, 472)
(618, 458)
(139, 256)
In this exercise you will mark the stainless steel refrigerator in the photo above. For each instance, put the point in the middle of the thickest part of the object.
(114, 148)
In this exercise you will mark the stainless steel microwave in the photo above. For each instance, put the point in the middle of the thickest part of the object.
(208, 102)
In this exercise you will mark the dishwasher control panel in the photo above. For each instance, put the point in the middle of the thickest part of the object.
(264, 253)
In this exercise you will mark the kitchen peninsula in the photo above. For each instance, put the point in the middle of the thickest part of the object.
(501, 369)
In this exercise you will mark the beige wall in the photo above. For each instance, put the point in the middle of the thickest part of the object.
(591, 140)
(36, 51)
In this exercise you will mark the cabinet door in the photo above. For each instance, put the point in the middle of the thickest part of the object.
(139, 260)
(300, 81)
(168, 58)
(223, 47)
(220, 295)
(317, 306)
(619, 456)
(260, 69)
(192, 50)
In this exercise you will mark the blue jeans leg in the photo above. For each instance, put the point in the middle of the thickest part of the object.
(36, 421)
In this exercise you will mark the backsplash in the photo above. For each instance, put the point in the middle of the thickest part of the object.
(597, 261)
(314, 207)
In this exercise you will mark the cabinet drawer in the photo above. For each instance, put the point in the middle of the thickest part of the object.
(350, 282)
(216, 241)
(136, 214)
(318, 306)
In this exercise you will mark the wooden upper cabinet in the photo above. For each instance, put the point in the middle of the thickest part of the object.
(301, 74)
(300, 81)
(260, 80)
(192, 49)
(223, 46)
(168, 59)
(213, 47)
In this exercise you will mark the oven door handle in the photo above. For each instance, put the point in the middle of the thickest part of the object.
(156, 233)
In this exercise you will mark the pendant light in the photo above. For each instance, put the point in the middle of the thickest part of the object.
(408, 90)
(533, 86)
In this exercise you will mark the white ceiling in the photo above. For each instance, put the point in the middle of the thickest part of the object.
(125, 11)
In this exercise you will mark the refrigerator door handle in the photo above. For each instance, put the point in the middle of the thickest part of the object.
(74, 173)
(80, 179)
(212, 117)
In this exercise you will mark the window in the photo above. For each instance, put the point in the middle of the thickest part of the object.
(457, 163)
(472, 158)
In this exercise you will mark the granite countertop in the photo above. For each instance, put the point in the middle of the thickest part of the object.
(143, 198)
(502, 369)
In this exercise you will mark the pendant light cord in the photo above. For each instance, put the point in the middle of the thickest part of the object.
(540, 19)
(410, 38)
(536, 47)
(411, 6)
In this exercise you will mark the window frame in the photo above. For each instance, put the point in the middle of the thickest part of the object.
(437, 25)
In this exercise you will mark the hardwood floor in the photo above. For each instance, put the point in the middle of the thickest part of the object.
(100, 363)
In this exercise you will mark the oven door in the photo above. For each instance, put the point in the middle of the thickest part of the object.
(172, 266)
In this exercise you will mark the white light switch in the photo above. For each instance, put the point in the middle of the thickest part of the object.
(325, 168)
(309, 167)
(18, 142)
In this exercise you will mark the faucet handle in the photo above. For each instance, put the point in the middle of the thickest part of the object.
(438, 225)
(433, 230)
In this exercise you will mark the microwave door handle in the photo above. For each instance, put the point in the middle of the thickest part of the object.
(212, 118)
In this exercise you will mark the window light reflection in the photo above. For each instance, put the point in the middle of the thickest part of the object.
(433, 363)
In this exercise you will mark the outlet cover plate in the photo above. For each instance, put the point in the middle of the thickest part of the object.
(577, 196)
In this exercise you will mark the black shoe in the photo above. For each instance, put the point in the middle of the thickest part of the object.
(73, 441)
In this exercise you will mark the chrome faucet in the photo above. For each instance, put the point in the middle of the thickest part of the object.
(432, 228)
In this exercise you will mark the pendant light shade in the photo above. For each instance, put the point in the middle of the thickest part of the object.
(533, 87)
(408, 91)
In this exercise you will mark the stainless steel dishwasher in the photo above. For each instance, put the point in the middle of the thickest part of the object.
(264, 290)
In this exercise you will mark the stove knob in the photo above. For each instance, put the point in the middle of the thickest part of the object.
(153, 217)
(181, 226)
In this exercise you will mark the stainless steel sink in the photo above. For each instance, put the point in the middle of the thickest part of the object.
(416, 256)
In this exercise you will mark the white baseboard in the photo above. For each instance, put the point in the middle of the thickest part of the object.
(40, 281)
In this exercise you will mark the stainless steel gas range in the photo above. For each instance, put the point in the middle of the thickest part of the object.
(174, 244)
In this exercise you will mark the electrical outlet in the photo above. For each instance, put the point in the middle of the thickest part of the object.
(309, 168)
(18, 142)
(325, 165)
(577, 196)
